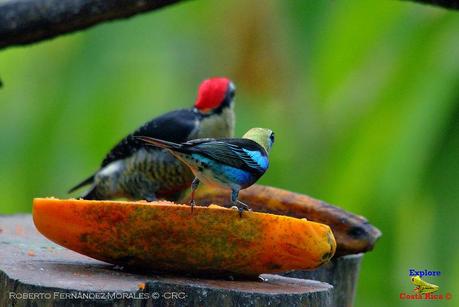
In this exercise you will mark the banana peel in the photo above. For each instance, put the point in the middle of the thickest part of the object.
(353, 233)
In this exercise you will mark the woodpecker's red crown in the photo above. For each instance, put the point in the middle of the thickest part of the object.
(211, 93)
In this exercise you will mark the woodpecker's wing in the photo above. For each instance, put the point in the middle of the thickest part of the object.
(175, 126)
(240, 153)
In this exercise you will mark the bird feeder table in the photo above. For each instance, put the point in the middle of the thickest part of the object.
(36, 272)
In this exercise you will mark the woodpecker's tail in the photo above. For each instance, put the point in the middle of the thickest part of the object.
(160, 143)
(82, 184)
(92, 194)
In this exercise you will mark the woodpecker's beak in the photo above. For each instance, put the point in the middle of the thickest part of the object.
(204, 111)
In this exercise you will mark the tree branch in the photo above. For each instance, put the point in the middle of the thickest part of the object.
(28, 21)
(450, 4)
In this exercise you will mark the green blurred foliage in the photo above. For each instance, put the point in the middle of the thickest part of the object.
(363, 97)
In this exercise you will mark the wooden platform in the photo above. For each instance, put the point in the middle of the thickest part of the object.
(35, 271)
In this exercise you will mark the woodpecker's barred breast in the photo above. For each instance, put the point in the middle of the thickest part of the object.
(147, 174)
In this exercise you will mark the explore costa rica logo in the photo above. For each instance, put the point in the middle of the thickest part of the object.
(424, 290)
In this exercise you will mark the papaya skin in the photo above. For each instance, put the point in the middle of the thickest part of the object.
(353, 233)
(163, 236)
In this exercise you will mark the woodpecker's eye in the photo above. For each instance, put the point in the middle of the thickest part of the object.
(231, 90)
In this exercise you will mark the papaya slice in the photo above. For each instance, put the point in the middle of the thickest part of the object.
(163, 236)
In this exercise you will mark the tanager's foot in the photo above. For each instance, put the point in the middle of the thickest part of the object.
(192, 204)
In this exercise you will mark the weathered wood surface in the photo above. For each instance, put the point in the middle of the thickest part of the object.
(29, 21)
(342, 273)
(31, 265)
